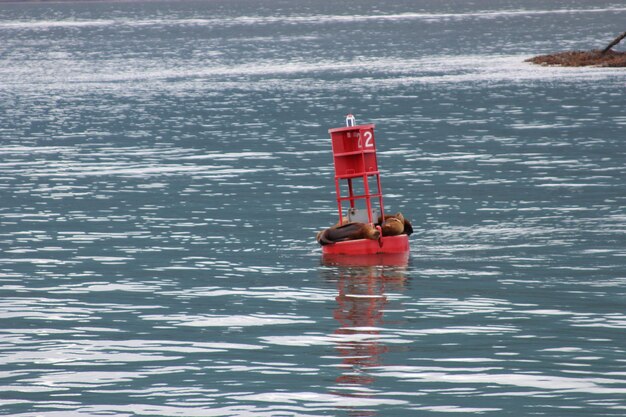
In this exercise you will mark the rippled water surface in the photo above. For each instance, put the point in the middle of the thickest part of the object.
(164, 168)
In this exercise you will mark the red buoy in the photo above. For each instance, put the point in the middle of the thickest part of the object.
(357, 185)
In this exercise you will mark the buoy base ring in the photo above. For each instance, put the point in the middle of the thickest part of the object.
(387, 244)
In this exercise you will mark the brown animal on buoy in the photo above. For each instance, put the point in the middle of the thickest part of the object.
(350, 231)
(391, 225)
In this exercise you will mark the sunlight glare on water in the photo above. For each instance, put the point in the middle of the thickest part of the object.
(164, 167)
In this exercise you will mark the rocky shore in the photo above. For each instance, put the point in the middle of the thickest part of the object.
(593, 58)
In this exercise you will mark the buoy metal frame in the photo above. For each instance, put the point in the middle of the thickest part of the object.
(354, 156)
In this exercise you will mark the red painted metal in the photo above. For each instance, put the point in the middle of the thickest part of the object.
(390, 244)
(379, 259)
(354, 155)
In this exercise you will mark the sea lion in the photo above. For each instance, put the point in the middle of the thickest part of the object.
(392, 226)
(350, 231)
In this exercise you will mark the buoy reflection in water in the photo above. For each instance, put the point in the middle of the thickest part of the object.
(362, 286)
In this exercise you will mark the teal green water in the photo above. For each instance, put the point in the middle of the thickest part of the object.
(164, 168)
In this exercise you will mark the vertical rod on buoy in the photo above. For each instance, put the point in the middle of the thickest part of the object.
(351, 192)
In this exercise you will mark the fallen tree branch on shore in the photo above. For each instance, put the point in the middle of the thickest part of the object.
(614, 42)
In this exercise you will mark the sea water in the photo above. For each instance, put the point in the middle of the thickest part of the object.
(164, 167)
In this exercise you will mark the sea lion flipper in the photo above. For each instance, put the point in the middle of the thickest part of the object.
(322, 238)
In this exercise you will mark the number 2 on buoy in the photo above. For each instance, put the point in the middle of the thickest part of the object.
(369, 139)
